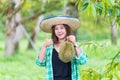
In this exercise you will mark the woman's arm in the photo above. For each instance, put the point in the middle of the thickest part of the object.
(77, 49)
(42, 54)
(47, 43)
(81, 57)
(40, 60)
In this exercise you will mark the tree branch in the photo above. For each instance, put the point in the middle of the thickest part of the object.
(32, 17)
(114, 59)
(18, 8)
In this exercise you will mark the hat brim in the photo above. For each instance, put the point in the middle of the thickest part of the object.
(47, 24)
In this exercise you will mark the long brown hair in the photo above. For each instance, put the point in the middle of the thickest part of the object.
(54, 37)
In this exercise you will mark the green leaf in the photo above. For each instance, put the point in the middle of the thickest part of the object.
(100, 11)
(117, 76)
(111, 2)
(78, 3)
(99, 6)
(110, 12)
(88, 10)
(71, 0)
(86, 1)
(117, 12)
(106, 9)
(118, 66)
(93, 10)
(84, 6)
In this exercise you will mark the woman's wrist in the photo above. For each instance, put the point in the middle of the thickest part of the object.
(76, 44)
(44, 45)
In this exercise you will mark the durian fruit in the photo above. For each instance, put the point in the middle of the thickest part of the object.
(66, 52)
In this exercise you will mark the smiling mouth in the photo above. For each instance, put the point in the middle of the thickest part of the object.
(60, 34)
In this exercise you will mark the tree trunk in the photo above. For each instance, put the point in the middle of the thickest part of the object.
(71, 10)
(12, 28)
(34, 33)
(113, 32)
(32, 37)
(13, 35)
(10, 37)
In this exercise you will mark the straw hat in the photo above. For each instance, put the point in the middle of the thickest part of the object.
(66, 52)
(47, 24)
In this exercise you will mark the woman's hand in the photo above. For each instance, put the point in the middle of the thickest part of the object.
(72, 39)
(47, 42)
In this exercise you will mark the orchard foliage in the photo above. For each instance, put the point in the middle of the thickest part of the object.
(110, 72)
(108, 8)
(31, 10)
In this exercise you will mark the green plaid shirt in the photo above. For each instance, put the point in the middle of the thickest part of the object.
(47, 63)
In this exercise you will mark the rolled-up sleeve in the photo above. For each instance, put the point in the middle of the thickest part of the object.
(40, 63)
(82, 59)
(43, 63)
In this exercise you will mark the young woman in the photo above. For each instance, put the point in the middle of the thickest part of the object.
(61, 28)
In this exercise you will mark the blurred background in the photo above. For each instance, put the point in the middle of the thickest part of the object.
(21, 36)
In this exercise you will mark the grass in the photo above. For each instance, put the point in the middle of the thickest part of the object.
(21, 66)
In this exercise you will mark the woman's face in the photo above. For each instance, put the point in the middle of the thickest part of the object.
(60, 31)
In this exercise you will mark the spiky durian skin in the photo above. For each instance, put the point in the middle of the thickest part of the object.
(66, 52)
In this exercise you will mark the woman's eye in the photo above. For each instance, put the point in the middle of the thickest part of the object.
(62, 27)
(56, 28)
